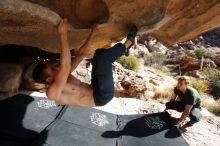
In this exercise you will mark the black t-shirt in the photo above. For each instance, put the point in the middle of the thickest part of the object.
(191, 96)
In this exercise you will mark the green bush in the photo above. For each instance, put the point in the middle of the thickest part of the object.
(191, 54)
(156, 58)
(212, 74)
(199, 85)
(199, 52)
(129, 62)
(203, 52)
(217, 98)
(142, 54)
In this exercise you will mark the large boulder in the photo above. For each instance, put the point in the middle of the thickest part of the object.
(10, 77)
(190, 64)
(34, 23)
(216, 59)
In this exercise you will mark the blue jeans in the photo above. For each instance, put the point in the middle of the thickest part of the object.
(179, 106)
(102, 77)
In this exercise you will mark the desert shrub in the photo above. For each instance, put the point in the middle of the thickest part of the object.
(199, 85)
(199, 52)
(217, 97)
(163, 95)
(191, 54)
(212, 74)
(156, 58)
(129, 62)
(142, 54)
(213, 107)
(203, 52)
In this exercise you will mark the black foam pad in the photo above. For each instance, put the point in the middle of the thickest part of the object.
(64, 133)
(83, 126)
(35, 121)
(90, 118)
(151, 130)
(24, 117)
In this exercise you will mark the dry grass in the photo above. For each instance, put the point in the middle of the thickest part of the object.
(163, 95)
(211, 105)
(129, 62)
(200, 85)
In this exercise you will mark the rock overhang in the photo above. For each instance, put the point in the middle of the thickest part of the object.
(34, 23)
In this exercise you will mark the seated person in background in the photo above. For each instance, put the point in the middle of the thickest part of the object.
(64, 88)
(188, 102)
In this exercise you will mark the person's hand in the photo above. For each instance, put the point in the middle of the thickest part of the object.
(63, 26)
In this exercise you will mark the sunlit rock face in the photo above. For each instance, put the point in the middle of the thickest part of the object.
(34, 22)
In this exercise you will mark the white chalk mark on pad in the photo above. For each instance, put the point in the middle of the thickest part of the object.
(99, 119)
(154, 123)
(46, 104)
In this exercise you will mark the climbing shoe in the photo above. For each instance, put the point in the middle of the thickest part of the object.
(131, 36)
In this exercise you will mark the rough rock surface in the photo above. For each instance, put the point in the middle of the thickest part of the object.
(190, 64)
(34, 22)
(10, 77)
(216, 59)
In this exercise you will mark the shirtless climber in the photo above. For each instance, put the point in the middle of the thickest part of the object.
(64, 88)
